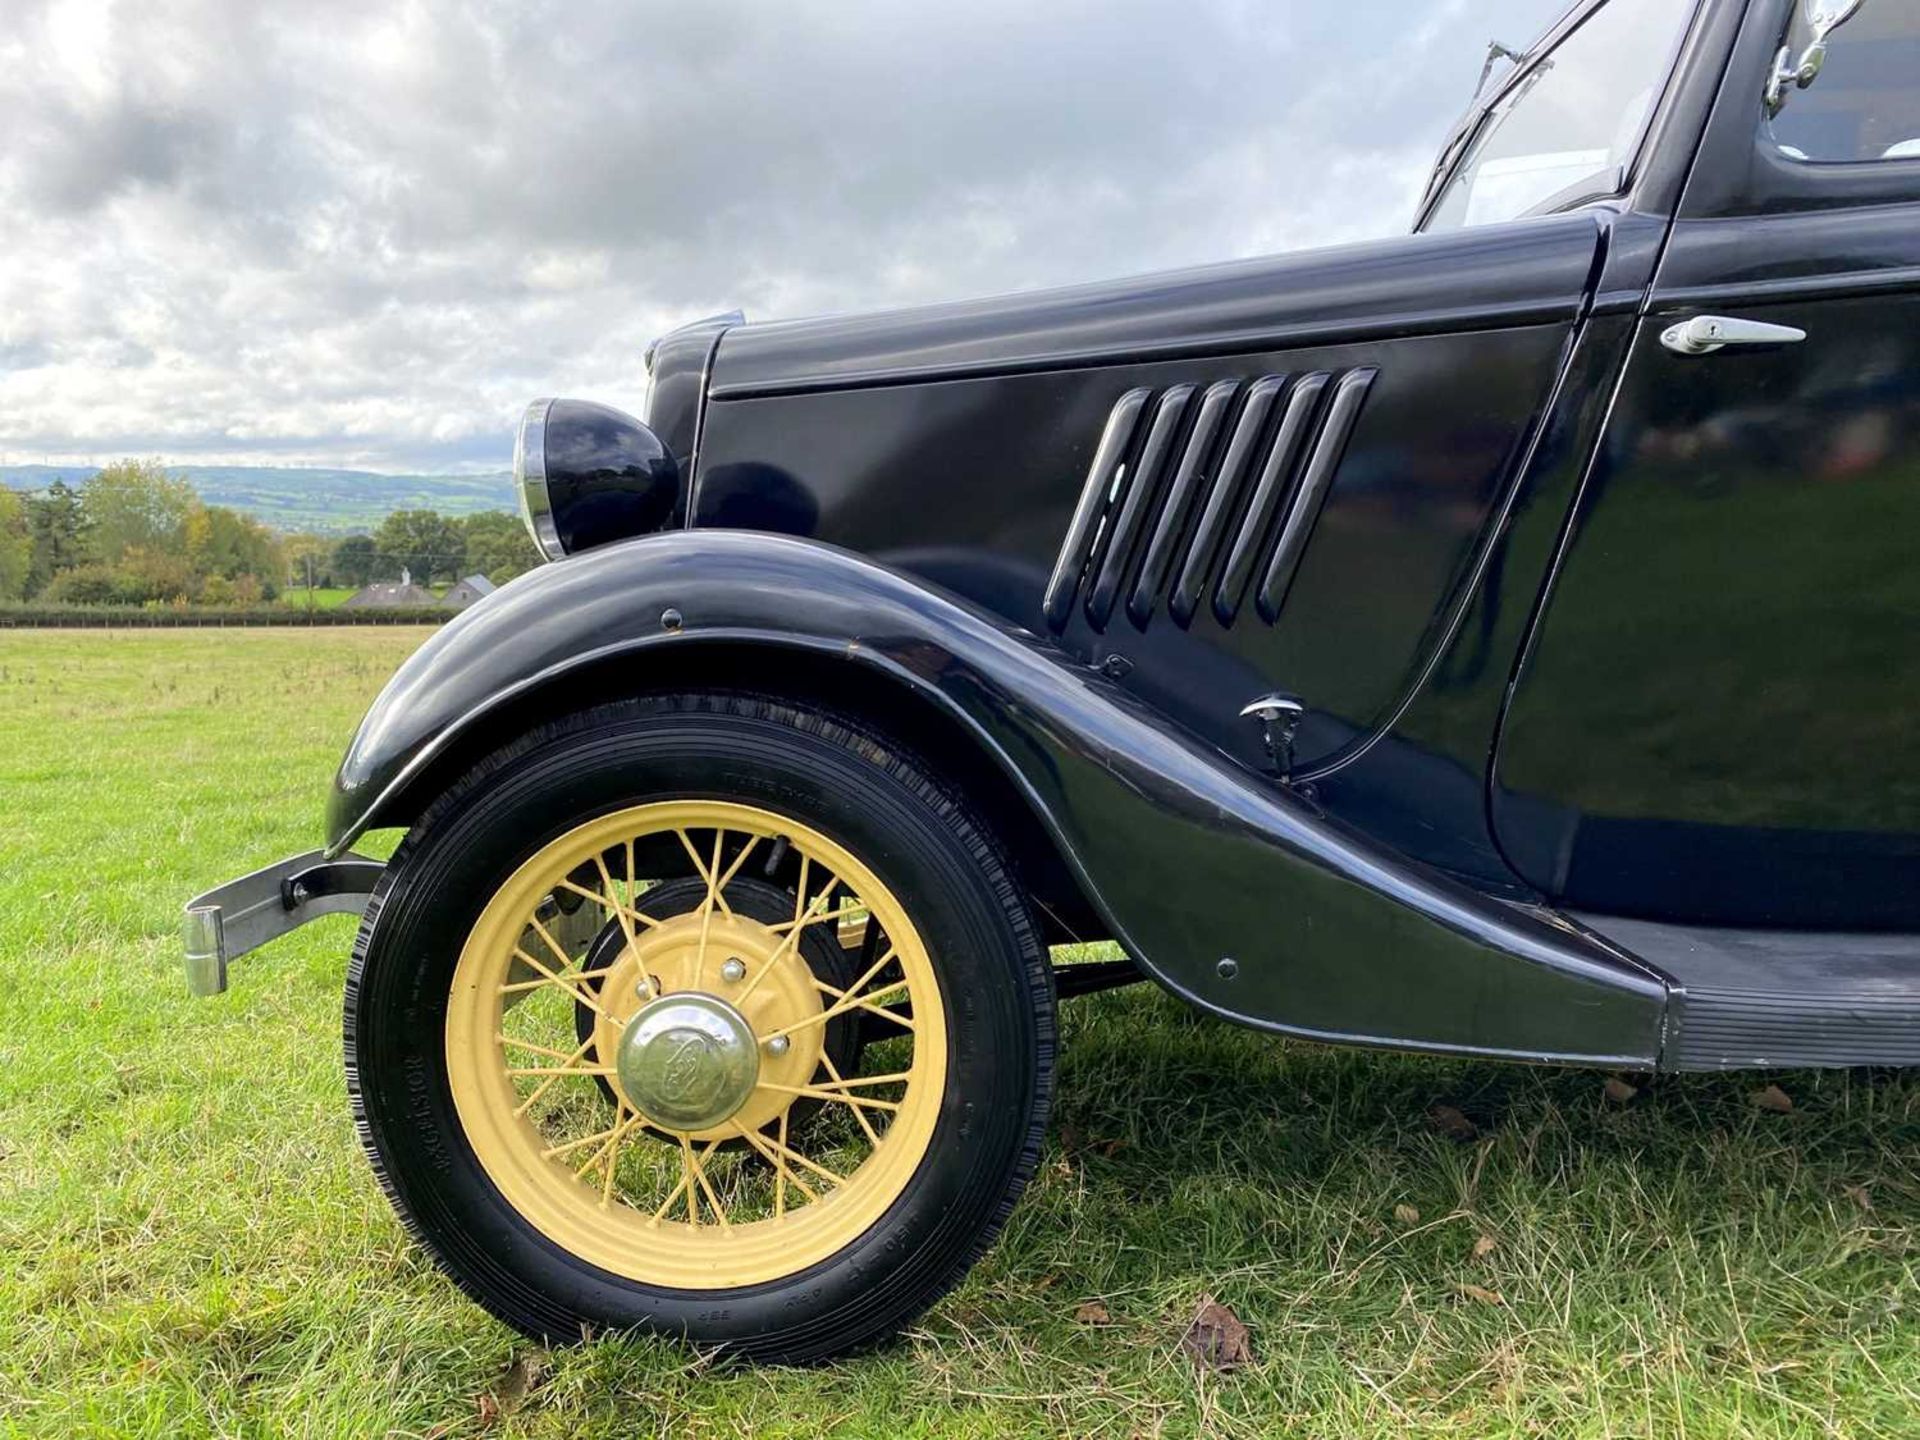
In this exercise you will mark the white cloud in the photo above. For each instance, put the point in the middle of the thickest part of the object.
(364, 233)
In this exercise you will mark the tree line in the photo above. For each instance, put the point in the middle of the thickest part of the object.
(134, 535)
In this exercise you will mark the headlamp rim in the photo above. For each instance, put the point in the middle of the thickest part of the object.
(530, 479)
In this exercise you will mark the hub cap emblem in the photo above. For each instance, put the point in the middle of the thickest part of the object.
(687, 1061)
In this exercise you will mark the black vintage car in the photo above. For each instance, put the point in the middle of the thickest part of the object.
(1498, 641)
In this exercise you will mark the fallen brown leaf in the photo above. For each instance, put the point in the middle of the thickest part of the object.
(1483, 1246)
(1480, 1293)
(1406, 1214)
(1092, 1312)
(523, 1376)
(1773, 1098)
(1451, 1122)
(1860, 1196)
(1216, 1338)
(1618, 1090)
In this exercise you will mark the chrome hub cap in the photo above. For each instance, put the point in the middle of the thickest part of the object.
(687, 1061)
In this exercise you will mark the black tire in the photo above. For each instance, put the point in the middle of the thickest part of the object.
(871, 798)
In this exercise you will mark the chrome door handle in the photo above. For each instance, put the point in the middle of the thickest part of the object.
(1704, 334)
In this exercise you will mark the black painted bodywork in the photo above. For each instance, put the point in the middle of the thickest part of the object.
(1578, 624)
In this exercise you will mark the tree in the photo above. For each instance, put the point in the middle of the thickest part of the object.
(309, 559)
(136, 503)
(354, 560)
(57, 526)
(498, 546)
(16, 546)
(88, 584)
(424, 542)
(148, 574)
(226, 543)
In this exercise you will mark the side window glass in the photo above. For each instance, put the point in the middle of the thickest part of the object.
(1569, 125)
(1865, 103)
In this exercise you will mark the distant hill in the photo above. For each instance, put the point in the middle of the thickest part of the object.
(333, 501)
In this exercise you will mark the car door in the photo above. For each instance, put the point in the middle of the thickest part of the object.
(1717, 720)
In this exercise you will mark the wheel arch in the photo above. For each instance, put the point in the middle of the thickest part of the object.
(832, 678)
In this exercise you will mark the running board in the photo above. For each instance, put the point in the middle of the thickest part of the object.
(1750, 999)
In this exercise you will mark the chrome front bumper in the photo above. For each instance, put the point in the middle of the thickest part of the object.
(244, 914)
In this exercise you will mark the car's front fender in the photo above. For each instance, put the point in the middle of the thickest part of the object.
(1232, 890)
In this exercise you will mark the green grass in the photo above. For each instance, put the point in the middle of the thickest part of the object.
(321, 597)
(192, 1244)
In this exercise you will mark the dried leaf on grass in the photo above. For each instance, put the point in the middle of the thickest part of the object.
(1618, 1090)
(1772, 1097)
(1483, 1246)
(1406, 1214)
(1092, 1312)
(1479, 1293)
(1216, 1339)
(524, 1374)
(1452, 1122)
(1860, 1196)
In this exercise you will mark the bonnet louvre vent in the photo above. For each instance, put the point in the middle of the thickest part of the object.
(1208, 494)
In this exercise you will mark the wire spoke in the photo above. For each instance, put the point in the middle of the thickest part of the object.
(869, 1004)
(766, 968)
(554, 1152)
(712, 877)
(862, 1081)
(605, 1154)
(686, 1175)
(850, 997)
(546, 937)
(706, 1187)
(852, 907)
(626, 912)
(815, 1166)
(776, 1151)
(780, 1175)
(851, 1101)
(686, 1178)
(720, 885)
(613, 1161)
(547, 1084)
(822, 1092)
(588, 1070)
(562, 1056)
(554, 977)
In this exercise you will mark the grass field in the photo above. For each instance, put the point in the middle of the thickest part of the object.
(321, 597)
(192, 1244)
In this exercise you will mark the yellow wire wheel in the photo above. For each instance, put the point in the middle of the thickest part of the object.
(706, 1015)
(702, 1135)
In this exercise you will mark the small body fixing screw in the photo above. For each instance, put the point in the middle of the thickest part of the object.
(734, 971)
(778, 1045)
(1116, 667)
(1228, 968)
(671, 619)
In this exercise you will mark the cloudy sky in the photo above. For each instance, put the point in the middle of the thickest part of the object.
(365, 234)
